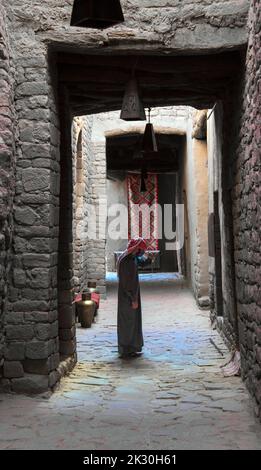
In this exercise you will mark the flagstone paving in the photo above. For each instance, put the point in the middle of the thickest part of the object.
(172, 397)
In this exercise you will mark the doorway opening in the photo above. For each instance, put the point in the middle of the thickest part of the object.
(91, 86)
(218, 259)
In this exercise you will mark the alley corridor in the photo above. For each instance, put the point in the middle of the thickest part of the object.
(173, 397)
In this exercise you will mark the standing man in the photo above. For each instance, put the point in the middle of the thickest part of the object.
(130, 337)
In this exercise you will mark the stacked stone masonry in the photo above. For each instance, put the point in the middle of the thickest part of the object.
(160, 22)
(246, 195)
(7, 169)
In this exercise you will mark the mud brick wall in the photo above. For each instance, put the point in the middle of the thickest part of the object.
(7, 168)
(82, 162)
(247, 212)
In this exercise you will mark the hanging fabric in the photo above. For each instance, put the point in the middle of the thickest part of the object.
(146, 221)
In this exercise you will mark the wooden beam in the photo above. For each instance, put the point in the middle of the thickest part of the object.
(228, 62)
(155, 166)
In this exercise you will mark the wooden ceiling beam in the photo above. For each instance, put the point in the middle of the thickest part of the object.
(228, 61)
(85, 108)
(155, 166)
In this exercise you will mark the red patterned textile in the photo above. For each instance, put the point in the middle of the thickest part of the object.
(143, 209)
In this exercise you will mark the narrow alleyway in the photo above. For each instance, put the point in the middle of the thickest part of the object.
(173, 397)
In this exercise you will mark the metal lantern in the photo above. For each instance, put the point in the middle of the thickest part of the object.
(149, 143)
(132, 108)
(98, 14)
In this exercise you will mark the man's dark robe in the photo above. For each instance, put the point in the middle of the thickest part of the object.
(130, 338)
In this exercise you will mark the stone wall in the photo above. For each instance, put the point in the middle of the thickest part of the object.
(221, 266)
(193, 193)
(30, 320)
(43, 207)
(215, 152)
(117, 194)
(246, 196)
(82, 161)
(7, 168)
(201, 286)
(159, 23)
(97, 198)
(89, 183)
(235, 174)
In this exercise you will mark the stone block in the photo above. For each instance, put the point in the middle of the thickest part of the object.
(25, 215)
(250, 340)
(26, 131)
(29, 306)
(53, 316)
(15, 318)
(37, 350)
(258, 334)
(19, 332)
(54, 377)
(13, 369)
(36, 317)
(66, 317)
(51, 347)
(32, 89)
(44, 163)
(19, 278)
(54, 329)
(203, 36)
(37, 231)
(13, 294)
(31, 384)
(35, 179)
(37, 366)
(258, 355)
(40, 245)
(67, 348)
(36, 294)
(36, 260)
(39, 277)
(32, 151)
(5, 385)
(54, 361)
(68, 334)
(43, 331)
(14, 351)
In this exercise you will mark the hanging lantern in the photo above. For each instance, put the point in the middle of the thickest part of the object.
(132, 108)
(149, 143)
(98, 14)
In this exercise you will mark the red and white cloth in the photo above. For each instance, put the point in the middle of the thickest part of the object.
(143, 223)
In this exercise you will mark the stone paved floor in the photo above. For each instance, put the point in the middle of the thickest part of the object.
(173, 397)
